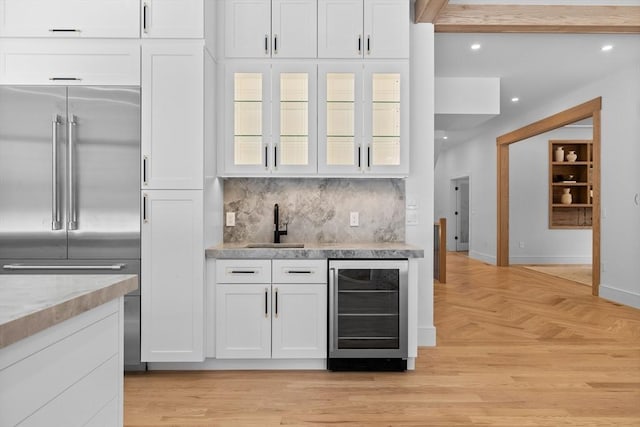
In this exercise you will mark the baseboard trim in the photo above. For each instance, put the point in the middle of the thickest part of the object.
(620, 296)
(426, 336)
(549, 260)
(489, 259)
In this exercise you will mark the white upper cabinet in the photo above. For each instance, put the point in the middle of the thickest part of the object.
(172, 19)
(270, 28)
(270, 125)
(363, 28)
(363, 119)
(172, 115)
(70, 18)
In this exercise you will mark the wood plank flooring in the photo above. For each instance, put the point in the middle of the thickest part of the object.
(580, 273)
(515, 348)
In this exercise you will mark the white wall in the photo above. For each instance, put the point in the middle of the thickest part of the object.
(620, 250)
(529, 206)
(418, 185)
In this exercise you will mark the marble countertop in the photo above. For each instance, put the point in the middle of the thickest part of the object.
(31, 303)
(317, 251)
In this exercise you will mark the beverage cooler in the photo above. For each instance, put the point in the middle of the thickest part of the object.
(368, 314)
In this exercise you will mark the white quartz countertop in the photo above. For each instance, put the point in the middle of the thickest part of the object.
(31, 303)
(317, 251)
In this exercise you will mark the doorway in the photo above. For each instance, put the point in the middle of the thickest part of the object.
(460, 208)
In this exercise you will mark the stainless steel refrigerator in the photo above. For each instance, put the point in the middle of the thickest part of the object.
(70, 186)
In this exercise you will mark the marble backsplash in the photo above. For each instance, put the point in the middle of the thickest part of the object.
(316, 210)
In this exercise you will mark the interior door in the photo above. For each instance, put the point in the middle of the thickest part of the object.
(32, 135)
(103, 155)
(462, 214)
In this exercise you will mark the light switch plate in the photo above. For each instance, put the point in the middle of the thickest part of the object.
(231, 219)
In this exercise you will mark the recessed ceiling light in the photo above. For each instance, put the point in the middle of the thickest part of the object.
(515, 99)
(475, 46)
(606, 47)
(445, 137)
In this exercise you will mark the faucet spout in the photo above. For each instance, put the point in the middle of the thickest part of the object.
(276, 225)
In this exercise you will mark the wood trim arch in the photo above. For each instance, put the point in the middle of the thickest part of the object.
(579, 112)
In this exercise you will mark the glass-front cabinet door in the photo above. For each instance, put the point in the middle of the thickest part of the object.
(247, 119)
(294, 148)
(386, 119)
(340, 119)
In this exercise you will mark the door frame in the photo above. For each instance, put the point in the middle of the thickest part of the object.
(590, 109)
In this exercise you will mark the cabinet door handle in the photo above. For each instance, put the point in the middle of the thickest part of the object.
(266, 302)
(55, 199)
(275, 157)
(276, 311)
(144, 18)
(145, 161)
(299, 272)
(64, 30)
(266, 44)
(275, 44)
(55, 79)
(266, 157)
(144, 209)
(359, 44)
(368, 45)
(359, 160)
(244, 272)
(368, 157)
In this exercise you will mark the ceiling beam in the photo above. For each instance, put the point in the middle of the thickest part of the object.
(465, 18)
(426, 11)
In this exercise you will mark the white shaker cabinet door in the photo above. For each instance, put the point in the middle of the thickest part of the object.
(172, 279)
(294, 28)
(247, 28)
(386, 29)
(69, 18)
(299, 321)
(172, 115)
(172, 19)
(243, 321)
(340, 32)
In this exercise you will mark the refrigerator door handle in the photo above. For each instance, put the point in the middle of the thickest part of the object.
(72, 213)
(55, 198)
(63, 267)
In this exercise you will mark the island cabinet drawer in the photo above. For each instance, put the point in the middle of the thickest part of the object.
(243, 271)
(299, 271)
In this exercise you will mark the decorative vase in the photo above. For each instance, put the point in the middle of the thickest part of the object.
(566, 198)
(572, 156)
(559, 154)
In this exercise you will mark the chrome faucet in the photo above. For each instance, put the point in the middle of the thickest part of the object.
(276, 225)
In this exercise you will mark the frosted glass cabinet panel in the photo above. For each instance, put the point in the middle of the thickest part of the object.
(363, 119)
(386, 118)
(340, 118)
(247, 119)
(294, 125)
(270, 123)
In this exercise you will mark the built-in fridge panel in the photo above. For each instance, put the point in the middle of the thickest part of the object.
(104, 171)
(31, 133)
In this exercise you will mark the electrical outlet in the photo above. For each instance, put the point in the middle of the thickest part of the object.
(231, 219)
(354, 219)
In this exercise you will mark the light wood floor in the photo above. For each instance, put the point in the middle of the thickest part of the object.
(580, 273)
(515, 348)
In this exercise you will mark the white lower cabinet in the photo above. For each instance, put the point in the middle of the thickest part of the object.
(286, 319)
(172, 279)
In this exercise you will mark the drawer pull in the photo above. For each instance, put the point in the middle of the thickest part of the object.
(64, 30)
(64, 78)
(299, 272)
(244, 272)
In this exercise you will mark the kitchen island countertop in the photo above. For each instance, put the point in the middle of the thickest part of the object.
(32, 303)
(317, 251)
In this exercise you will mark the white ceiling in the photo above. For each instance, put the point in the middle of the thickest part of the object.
(532, 67)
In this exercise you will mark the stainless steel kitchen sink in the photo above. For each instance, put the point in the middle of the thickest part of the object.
(275, 245)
